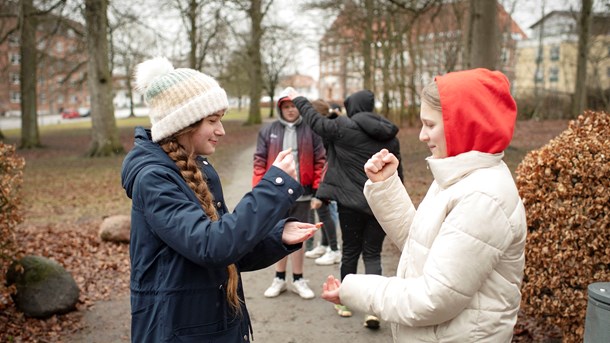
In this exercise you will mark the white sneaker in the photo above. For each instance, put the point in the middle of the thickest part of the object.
(301, 288)
(331, 257)
(316, 252)
(277, 286)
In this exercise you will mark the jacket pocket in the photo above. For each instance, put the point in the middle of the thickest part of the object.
(203, 334)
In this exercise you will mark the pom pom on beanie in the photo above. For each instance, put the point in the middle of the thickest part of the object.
(178, 97)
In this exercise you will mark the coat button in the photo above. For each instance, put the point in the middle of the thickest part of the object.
(205, 162)
(219, 204)
(246, 338)
(290, 191)
(278, 180)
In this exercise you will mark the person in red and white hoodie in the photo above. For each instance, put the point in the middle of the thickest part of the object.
(461, 268)
(289, 132)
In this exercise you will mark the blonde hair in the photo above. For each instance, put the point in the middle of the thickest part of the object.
(431, 96)
(190, 171)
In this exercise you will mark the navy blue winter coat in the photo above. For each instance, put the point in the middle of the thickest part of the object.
(179, 257)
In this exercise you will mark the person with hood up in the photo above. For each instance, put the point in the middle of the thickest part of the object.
(327, 252)
(288, 132)
(460, 272)
(351, 140)
(186, 250)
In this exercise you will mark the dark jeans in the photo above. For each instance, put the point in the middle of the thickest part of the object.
(361, 234)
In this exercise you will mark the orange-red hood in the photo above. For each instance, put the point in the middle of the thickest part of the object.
(479, 112)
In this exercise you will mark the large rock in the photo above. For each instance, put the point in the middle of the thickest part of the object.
(116, 229)
(44, 287)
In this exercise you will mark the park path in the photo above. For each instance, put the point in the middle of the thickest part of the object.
(285, 319)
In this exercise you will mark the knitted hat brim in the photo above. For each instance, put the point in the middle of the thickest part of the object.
(196, 109)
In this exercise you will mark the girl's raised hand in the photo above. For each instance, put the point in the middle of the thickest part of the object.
(285, 161)
(381, 166)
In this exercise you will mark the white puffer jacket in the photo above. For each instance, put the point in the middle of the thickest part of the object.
(462, 259)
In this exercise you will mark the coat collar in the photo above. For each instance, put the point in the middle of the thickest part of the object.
(449, 170)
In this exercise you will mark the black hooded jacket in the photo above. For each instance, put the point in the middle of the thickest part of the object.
(352, 140)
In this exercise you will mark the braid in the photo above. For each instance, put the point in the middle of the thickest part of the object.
(190, 171)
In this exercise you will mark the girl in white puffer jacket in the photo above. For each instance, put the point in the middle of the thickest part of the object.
(462, 261)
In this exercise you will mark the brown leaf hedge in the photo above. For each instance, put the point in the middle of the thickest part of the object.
(565, 186)
(11, 178)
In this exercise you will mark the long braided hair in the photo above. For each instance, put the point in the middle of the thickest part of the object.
(187, 164)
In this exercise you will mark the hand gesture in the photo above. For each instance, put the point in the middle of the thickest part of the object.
(297, 232)
(381, 166)
(315, 203)
(291, 93)
(285, 161)
(330, 290)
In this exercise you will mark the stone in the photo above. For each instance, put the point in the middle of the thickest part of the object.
(44, 287)
(116, 229)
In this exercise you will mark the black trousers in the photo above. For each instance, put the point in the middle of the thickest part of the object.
(362, 235)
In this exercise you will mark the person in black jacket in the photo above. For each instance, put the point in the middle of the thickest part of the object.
(187, 250)
(352, 140)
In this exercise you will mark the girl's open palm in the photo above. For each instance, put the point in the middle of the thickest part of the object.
(297, 232)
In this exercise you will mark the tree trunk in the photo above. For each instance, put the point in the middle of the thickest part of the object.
(104, 133)
(29, 120)
(254, 54)
(192, 33)
(579, 101)
(481, 45)
(369, 12)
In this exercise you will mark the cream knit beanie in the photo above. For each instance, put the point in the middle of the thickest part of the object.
(177, 97)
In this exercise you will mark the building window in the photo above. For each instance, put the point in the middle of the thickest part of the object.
(42, 97)
(14, 58)
(554, 74)
(73, 99)
(15, 79)
(504, 55)
(554, 53)
(59, 47)
(540, 56)
(539, 76)
(15, 97)
(60, 99)
(13, 40)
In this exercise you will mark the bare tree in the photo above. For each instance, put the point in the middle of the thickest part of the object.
(104, 134)
(481, 41)
(256, 10)
(277, 57)
(203, 23)
(579, 101)
(27, 23)
(234, 77)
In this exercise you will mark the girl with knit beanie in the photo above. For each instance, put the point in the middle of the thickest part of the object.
(460, 272)
(186, 249)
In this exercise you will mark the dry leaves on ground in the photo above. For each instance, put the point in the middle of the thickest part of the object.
(100, 269)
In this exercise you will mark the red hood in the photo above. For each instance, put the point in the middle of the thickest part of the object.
(478, 111)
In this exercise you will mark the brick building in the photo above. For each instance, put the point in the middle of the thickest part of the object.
(434, 45)
(62, 66)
